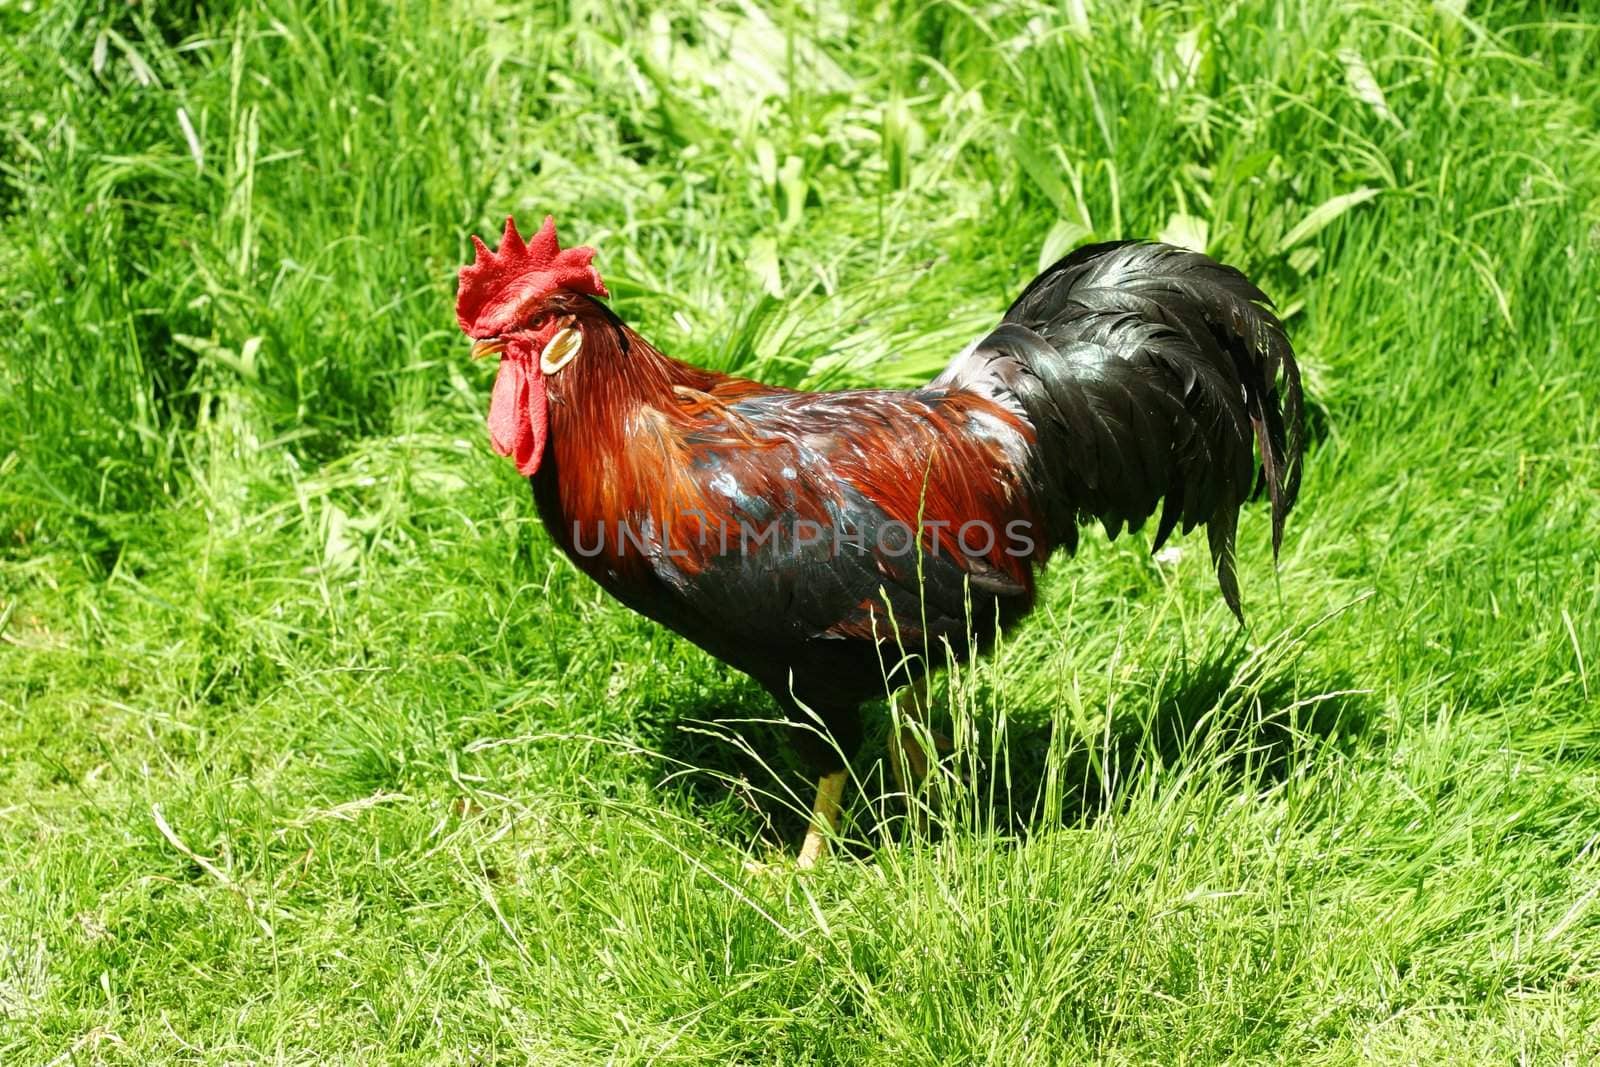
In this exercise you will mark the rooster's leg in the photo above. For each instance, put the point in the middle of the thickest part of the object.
(824, 818)
(909, 759)
(908, 756)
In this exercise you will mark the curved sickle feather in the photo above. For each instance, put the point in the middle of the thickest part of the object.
(1150, 375)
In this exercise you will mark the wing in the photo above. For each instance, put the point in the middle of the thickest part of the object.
(789, 521)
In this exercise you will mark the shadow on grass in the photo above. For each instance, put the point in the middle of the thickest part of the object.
(1224, 714)
(1206, 719)
(734, 761)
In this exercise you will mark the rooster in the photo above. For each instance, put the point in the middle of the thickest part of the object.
(809, 538)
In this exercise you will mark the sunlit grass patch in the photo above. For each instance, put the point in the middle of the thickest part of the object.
(312, 749)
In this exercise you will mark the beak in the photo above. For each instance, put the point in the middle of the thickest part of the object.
(488, 346)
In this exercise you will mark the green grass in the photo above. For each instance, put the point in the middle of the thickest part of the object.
(312, 750)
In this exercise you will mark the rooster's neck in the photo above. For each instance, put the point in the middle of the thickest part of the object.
(616, 374)
(615, 416)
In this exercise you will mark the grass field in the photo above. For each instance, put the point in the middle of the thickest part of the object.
(312, 749)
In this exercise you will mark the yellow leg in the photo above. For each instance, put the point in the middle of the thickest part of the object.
(905, 751)
(909, 760)
(824, 818)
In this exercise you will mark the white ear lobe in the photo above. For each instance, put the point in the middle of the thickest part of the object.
(566, 344)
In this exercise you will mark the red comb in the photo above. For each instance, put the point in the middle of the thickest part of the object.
(497, 288)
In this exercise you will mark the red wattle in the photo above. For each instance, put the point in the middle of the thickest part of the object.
(518, 414)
